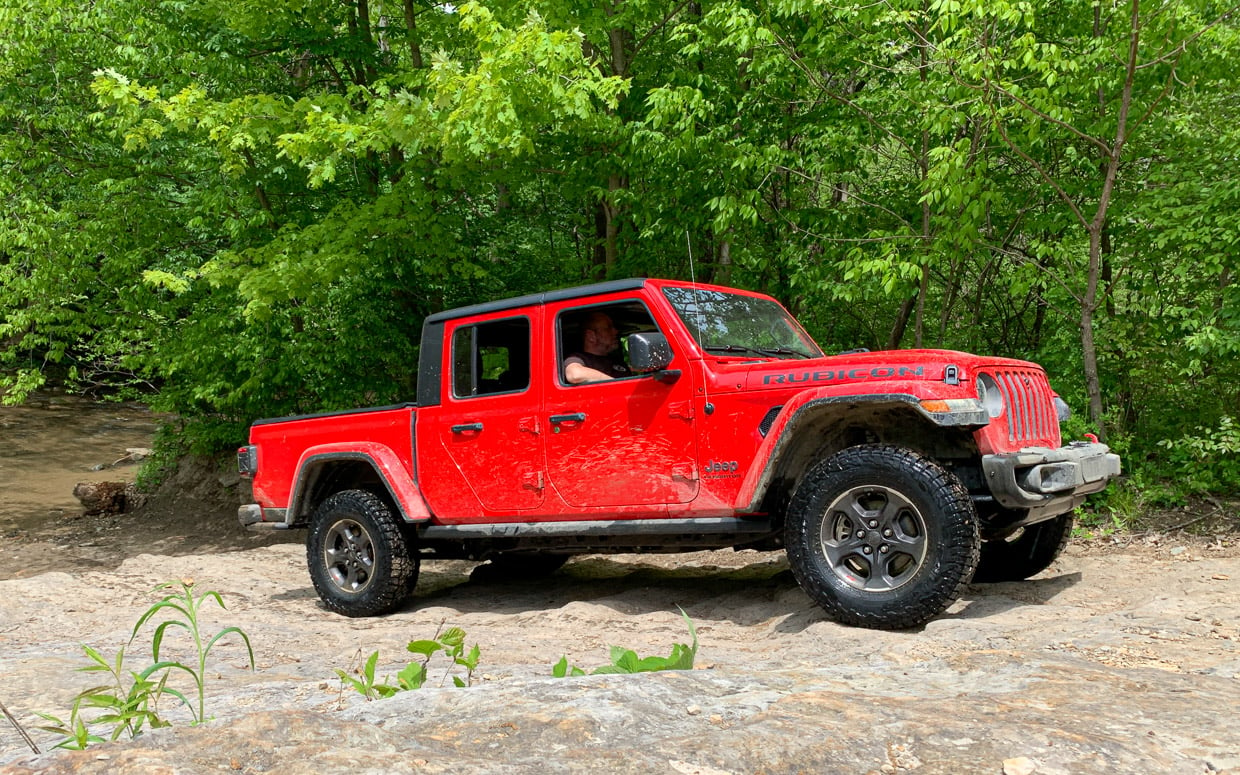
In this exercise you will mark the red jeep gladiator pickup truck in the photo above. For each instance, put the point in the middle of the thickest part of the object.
(890, 479)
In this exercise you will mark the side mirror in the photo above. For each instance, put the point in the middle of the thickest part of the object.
(649, 352)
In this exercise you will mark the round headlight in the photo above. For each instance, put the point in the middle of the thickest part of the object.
(989, 394)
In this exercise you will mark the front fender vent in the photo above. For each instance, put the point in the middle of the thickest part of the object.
(764, 427)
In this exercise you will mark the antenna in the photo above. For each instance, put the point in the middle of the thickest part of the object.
(692, 273)
(709, 408)
(697, 302)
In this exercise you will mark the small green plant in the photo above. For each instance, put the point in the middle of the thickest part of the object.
(1117, 511)
(130, 701)
(450, 642)
(625, 661)
(75, 733)
(186, 608)
(127, 704)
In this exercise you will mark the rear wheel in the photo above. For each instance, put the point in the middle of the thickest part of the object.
(881, 537)
(359, 560)
(1027, 552)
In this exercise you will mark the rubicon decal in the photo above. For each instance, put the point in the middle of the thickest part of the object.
(843, 375)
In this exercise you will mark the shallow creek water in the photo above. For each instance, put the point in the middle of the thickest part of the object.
(50, 444)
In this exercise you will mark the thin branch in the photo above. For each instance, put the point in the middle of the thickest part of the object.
(1020, 258)
(637, 47)
(818, 83)
(862, 200)
(1171, 80)
(1178, 51)
(1058, 122)
(20, 730)
(1042, 173)
(1174, 57)
(1121, 131)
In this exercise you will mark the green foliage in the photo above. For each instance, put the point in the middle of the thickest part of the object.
(626, 661)
(239, 210)
(1207, 460)
(1118, 512)
(125, 706)
(130, 701)
(367, 685)
(450, 643)
(184, 607)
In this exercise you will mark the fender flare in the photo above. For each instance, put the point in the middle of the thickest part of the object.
(401, 486)
(963, 413)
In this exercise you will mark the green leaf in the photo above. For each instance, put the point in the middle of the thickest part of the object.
(424, 647)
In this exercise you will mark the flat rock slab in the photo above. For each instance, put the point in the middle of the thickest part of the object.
(1107, 663)
(968, 714)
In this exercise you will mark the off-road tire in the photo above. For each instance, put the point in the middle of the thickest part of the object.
(881, 537)
(358, 555)
(1025, 553)
(518, 566)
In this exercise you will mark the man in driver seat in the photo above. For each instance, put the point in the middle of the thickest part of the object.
(597, 360)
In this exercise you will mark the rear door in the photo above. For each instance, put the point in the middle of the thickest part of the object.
(486, 453)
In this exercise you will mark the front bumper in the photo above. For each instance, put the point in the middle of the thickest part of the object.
(1050, 481)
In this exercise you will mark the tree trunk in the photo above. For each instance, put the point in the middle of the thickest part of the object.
(1097, 226)
(415, 47)
(897, 328)
(1089, 349)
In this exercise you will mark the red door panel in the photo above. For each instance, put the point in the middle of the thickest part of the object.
(627, 442)
(622, 442)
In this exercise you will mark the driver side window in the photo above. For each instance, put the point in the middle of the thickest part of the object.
(593, 341)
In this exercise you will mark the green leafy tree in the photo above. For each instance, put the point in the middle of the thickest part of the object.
(246, 209)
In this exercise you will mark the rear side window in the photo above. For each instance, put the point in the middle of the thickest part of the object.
(491, 357)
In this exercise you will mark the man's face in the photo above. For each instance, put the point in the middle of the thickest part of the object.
(605, 335)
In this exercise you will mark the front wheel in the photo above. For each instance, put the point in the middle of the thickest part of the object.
(881, 537)
(359, 560)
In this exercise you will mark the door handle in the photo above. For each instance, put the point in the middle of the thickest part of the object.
(469, 427)
(556, 419)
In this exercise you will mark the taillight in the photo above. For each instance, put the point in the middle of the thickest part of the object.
(247, 461)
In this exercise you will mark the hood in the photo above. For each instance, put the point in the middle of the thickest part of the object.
(882, 366)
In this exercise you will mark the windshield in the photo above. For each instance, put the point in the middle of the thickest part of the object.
(731, 323)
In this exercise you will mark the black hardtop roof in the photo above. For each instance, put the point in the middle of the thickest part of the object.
(597, 289)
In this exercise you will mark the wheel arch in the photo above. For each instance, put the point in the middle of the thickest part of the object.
(325, 471)
(823, 426)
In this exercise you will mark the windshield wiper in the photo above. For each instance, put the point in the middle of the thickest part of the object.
(731, 348)
(785, 351)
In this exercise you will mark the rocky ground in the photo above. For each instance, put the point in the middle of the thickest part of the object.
(1124, 657)
(1124, 660)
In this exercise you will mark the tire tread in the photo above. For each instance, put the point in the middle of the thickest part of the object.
(938, 484)
(396, 569)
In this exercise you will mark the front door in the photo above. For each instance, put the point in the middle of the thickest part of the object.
(628, 441)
